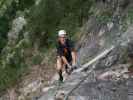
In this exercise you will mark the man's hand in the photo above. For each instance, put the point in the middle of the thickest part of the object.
(65, 61)
(69, 66)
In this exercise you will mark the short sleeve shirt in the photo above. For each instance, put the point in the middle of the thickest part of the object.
(65, 50)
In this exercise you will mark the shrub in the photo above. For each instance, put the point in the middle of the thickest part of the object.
(12, 65)
(52, 15)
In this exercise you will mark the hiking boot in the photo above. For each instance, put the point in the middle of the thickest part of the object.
(60, 81)
(61, 78)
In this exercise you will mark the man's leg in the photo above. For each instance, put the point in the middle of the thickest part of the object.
(59, 68)
(66, 65)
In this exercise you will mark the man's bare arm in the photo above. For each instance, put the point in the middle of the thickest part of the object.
(74, 57)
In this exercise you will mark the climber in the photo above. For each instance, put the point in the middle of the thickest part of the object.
(66, 54)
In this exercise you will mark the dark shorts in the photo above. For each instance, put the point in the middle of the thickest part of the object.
(69, 59)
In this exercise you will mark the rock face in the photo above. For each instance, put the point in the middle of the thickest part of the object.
(110, 79)
(17, 26)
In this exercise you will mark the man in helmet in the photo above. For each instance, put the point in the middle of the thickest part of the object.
(66, 54)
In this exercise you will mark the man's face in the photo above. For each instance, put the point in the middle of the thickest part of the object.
(62, 39)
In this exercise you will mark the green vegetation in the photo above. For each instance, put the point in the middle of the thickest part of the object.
(37, 59)
(44, 21)
(104, 17)
(12, 6)
(127, 20)
(12, 64)
(51, 15)
(12, 58)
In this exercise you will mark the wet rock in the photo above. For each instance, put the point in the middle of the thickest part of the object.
(117, 73)
(17, 26)
(21, 97)
(31, 88)
(128, 34)
(110, 25)
(101, 32)
(110, 82)
(47, 89)
(12, 94)
(107, 91)
(60, 95)
(106, 76)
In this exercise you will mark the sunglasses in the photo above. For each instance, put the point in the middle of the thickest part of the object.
(62, 37)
